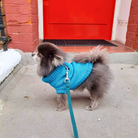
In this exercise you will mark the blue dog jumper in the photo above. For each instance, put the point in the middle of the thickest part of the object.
(78, 72)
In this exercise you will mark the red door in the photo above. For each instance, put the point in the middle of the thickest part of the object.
(78, 19)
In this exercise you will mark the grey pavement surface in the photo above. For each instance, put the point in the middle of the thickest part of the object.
(27, 108)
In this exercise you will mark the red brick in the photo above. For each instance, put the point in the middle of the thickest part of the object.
(19, 29)
(13, 29)
(27, 47)
(11, 9)
(7, 1)
(129, 43)
(25, 9)
(28, 37)
(34, 2)
(130, 36)
(14, 45)
(135, 46)
(15, 38)
(134, 10)
(35, 44)
(22, 37)
(137, 30)
(34, 18)
(35, 36)
(18, 2)
(26, 28)
(35, 27)
(132, 32)
(136, 39)
(34, 9)
(17, 18)
(132, 27)
(133, 19)
(24, 18)
(134, 3)
(10, 17)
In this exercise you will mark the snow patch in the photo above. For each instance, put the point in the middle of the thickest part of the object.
(8, 60)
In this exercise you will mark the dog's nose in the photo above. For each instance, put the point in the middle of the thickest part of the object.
(33, 54)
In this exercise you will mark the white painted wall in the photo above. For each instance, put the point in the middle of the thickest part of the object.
(122, 21)
(40, 18)
(115, 22)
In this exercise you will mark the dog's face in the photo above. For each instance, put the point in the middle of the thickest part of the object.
(37, 57)
(48, 56)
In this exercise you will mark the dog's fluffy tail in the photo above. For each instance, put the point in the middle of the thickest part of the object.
(96, 55)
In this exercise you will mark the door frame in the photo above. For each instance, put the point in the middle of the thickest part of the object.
(40, 19)
(115, 20)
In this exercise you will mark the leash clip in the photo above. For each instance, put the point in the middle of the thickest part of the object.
(67, 78)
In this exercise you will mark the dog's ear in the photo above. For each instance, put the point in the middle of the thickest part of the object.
(57, 60)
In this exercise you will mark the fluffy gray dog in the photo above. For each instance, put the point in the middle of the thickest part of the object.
(50, 59)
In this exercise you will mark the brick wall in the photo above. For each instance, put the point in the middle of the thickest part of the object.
(132, 29)
(22, 23)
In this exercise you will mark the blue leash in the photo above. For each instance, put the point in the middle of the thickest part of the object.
(70, 105)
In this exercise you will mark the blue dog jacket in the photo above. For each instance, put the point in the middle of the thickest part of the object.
(78, 72)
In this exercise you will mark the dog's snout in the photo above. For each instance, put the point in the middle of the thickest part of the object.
(33, 54)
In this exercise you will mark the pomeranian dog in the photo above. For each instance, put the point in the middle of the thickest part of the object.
(86, 71)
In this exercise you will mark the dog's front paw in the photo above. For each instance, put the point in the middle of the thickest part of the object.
(89, 108)
(93, 105)
(60, 108)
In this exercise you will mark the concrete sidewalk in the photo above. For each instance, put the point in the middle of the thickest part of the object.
(27, 108)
